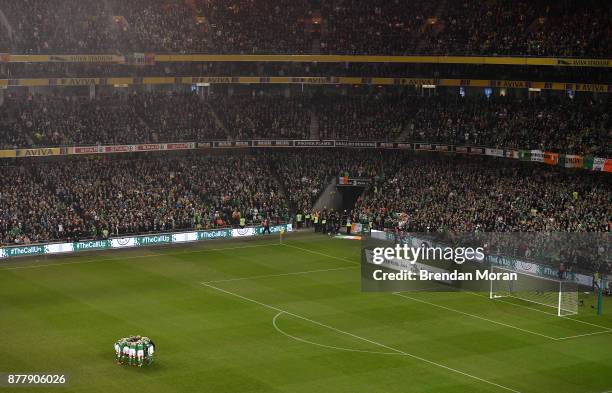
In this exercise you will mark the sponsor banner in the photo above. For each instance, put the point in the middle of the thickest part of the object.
(137, 241)
(123, 242)
(240, 232)
(264, 143)
(184, 237)
(232, 144)
(366, 145)
(181, 146)
(164, 58)
(585, 62)
(149, 147)
(275, 229)
(42, 152)
(272, 143)
(477, 150)
(87, 149)
(92, 245)
(87, 58)
(214, 234)
(494, 152)
(153, 239)
(118, 149)
(568, 161)
(57, 248)
(381, 81)
(347, 237)
(24, 250)
(283, 143)
(313, 143)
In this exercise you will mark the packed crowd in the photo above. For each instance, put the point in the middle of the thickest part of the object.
(582, 125)
(254, 117)
(579, 126)
(502, 27)
(467, 195)
(38, 120)
(101, 198)
(85, 199)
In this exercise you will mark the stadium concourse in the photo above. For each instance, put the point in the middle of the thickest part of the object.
(579, 125)
(579, 29)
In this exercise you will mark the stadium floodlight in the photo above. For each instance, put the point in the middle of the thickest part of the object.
(544, 291)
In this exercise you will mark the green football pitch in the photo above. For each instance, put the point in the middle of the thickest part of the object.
(257, 316)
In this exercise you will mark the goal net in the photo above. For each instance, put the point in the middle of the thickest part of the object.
(559, 294)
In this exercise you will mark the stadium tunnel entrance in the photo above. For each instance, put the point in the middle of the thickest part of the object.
(342, 193)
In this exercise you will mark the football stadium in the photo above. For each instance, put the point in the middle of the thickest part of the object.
(303, 196)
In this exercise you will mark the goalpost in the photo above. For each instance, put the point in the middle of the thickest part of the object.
(561, 295)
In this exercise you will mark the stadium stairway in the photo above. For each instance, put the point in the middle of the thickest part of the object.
(217, 120)
(330, 198)
(6, 25)
(314, 125)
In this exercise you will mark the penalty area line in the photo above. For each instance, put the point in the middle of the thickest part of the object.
(322, 253)
(392, 349)
(606, 328)
(584, 335)
(475, 316)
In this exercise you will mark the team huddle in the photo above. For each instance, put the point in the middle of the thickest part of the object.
(135, 350)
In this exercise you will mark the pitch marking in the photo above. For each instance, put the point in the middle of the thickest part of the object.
(280, 275)
(323, 254)
(474, 316)
(274, 323)
(398, 351)
(607, 329)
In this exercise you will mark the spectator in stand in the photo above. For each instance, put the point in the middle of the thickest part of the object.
(374, 27)
(581, 125)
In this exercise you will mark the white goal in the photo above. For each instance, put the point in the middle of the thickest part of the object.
(561, 295)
